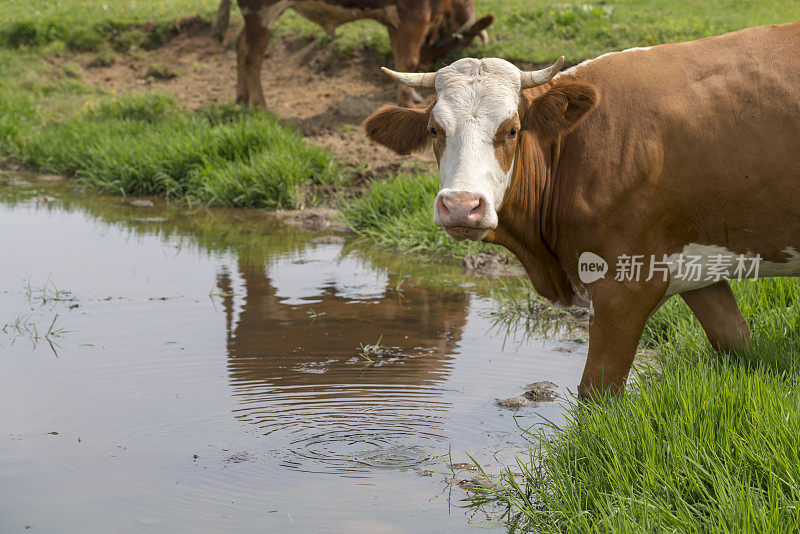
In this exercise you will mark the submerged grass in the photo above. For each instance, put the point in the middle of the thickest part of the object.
(522, 313)
(710, 446)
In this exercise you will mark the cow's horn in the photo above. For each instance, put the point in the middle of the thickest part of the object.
(424, 80)
(538, 77)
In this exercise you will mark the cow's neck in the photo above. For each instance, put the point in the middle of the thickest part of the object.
(526, 223)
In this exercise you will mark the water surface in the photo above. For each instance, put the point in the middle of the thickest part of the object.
(204, 374)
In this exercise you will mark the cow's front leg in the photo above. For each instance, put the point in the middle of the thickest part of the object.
(620, 314)
(406, 41)
(716, 308)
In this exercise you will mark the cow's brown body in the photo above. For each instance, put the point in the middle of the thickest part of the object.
(689, 145)
(420, 31)
(693, 142)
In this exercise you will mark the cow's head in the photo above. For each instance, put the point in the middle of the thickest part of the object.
(474, 127)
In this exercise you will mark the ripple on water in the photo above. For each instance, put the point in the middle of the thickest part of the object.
(334, 430)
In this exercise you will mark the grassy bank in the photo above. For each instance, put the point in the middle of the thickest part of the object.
(145, 145)
(710, 446)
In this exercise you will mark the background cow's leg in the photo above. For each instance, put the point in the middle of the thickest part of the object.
(252, 44)
(620, 315)
(241, 80)
(406, 41)
(222, 20)
(716, 308)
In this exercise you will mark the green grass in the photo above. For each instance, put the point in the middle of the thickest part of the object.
(143, 145)
(398, 214)
(530, 30)
(89, 24)
(709, 446)
(538, 31)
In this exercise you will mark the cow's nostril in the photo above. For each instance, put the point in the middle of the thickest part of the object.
(444, 210)
(479, 209)
(449, 203)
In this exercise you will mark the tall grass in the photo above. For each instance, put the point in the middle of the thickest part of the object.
(772, 310)
(710, 446)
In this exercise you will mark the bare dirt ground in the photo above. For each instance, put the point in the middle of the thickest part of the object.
(320, 92)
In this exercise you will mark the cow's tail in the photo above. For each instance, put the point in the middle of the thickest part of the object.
(221, 21)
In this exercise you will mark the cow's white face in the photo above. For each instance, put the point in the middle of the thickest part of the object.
(473, 126)
(474, 129)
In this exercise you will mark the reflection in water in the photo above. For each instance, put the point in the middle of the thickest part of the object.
(294, 331)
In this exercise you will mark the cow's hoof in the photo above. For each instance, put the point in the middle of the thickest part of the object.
(246, 102)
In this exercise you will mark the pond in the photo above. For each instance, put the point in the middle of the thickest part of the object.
(174, 369)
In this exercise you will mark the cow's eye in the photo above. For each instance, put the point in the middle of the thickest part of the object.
(512, 133)
(432, 131)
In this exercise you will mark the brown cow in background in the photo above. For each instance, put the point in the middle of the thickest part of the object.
(420, 32)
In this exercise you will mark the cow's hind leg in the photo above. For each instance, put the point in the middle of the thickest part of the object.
(222, 20)
(716, 308)
(250, 50)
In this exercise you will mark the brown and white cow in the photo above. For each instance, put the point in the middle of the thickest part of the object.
(678, 152)
(420, 32)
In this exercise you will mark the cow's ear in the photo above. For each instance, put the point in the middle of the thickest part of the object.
(560, 108)
(404, 130)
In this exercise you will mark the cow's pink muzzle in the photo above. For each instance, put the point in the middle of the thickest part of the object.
(462, 214)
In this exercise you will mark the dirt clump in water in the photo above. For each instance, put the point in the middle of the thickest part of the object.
(315, 219)
(543, 391)
(141, 203)
(491, 265)
(536, 392)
